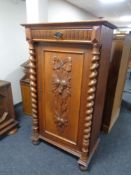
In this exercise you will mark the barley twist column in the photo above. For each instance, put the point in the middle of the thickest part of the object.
(90, 105)
(33, 89)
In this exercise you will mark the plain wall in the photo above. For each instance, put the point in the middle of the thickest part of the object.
(62, 11)
(37, 11)
(13, 46)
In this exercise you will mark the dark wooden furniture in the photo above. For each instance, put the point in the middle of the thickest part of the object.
(120, 55)
(68, 75)
(128, 90)
(8, 124)
(26, 66)
(129, 63)
(129, 67)
(25, 90)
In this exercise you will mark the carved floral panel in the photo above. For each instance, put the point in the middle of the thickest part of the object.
(61, 88)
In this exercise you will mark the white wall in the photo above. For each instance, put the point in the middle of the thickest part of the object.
(62, 11)
(13, 47)
(37, 11)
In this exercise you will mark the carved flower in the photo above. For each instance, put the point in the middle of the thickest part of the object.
(63, 64)
(60, 121)
(61, 84)
(57, 63)
(61, 77)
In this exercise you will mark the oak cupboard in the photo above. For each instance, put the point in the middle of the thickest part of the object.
(120, 56)
(68, 73)
(8, 123)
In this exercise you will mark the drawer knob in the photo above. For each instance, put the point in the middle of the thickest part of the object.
(58, 35)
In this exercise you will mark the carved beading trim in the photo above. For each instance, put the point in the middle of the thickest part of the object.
(90, 101)
(33, 89)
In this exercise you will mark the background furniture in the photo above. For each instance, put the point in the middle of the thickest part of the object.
(129, 67)
(25, 90)
(127, 89)
(69, 68)
(8, 124)
(121, 50)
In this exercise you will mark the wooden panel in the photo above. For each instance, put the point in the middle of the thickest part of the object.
(74, 34)
(25, 89)
(106, 40)
(116, 79)
(84, 36)
(26, 98)
(7, 115)
(121, 81)
(62, 72)
(116, 53)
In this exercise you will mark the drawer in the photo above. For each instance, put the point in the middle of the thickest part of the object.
(63, 34)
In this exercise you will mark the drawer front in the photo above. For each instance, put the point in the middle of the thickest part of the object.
(60, 78)
(63, 35)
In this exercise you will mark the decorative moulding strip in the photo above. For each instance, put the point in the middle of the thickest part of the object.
(63, 41)
(61, 138)
(63, 51)
(74, 152)
(74, 34)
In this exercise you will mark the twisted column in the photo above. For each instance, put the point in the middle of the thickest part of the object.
(33, 89)
(90, 103)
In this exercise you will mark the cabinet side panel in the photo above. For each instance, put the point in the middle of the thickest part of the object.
(121, 80)
(106, 41)
(115, 61)
(26, 98)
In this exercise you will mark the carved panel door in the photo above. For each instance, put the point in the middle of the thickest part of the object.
(59, 92)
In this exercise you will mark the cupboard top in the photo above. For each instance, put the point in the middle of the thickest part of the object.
(80, 24)
(86, 32)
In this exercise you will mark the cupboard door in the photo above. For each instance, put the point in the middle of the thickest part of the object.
(60, 78)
